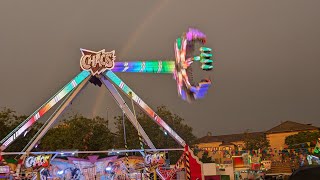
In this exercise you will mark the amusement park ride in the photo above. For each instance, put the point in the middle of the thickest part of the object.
(101, 67)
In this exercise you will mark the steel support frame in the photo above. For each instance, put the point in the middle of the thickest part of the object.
(56, 115)
(152, 114)
(27, 123)
(51, 120)
(124, 107)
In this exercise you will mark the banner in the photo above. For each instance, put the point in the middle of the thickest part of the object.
(158, 158)
(37, 161)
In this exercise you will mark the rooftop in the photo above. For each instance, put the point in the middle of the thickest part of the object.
(227, 138)
(289, 126)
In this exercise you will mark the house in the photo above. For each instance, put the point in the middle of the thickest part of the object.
(278, 134)
(217, 147)
(275, 135)
(224, 142)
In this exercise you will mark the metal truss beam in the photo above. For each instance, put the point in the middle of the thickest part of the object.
(153, 115)
(124, 107)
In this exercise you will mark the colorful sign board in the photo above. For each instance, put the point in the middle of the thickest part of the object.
(97, 62)
(155, 159)
(37, 161)
(4, 169)
(92, 167)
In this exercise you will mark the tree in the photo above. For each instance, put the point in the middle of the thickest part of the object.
(157, 135)
(205, 158)
(302, 139)
(9, 120)
(79, 133)
(255, 141)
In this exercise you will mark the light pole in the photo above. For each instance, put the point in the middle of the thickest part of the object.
(107, 117)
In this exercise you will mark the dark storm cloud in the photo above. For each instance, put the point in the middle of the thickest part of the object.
(267, 56)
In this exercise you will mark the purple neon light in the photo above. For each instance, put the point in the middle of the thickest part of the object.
(193, 34)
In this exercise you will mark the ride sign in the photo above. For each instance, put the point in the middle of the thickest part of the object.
(155, 159)
(97, 62)
(37, 161)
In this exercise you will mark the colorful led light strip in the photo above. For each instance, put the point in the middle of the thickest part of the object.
(145, 66)
(44, 108)
(117, 81)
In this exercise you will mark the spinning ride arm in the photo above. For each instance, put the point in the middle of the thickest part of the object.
(163, 67)
(185, 55)
(181, 69)
(43, 109)
(118, 82)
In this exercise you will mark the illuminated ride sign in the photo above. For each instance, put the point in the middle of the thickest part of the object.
(37, 161)
(97, 62)
(155, 159)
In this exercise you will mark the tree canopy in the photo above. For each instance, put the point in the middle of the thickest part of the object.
(302, 139)
(9, 120)
(156, 134)
(205, 158)
(79, 133)
(255, 142)
(82, 133)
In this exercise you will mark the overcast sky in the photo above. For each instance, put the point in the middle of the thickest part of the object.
(267, 57)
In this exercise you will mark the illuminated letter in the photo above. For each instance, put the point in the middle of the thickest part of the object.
(84, 62)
